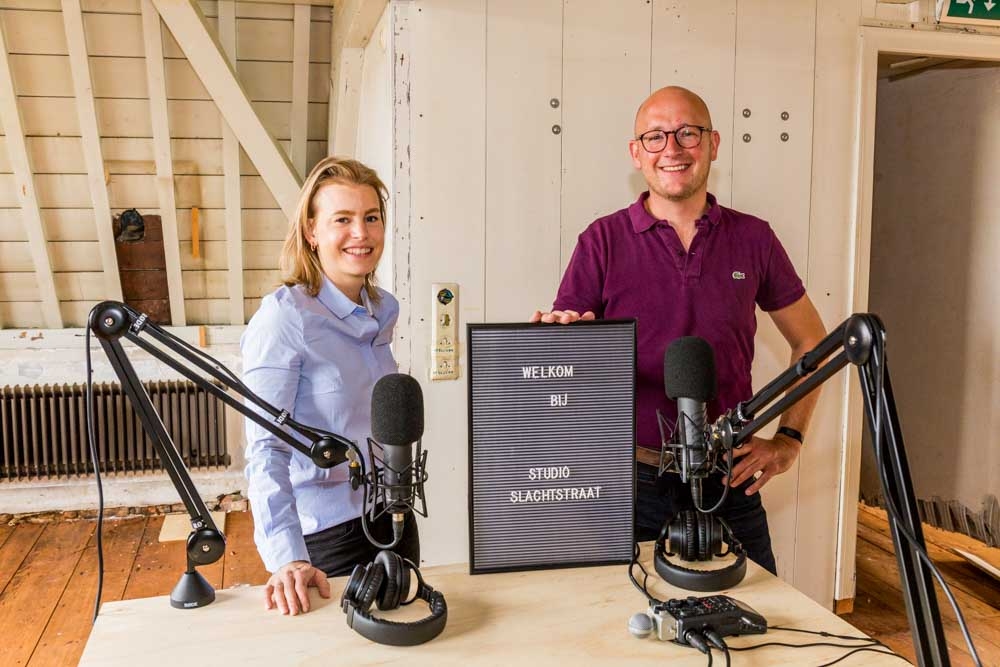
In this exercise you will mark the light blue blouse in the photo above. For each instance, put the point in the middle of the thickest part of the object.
(318, 357)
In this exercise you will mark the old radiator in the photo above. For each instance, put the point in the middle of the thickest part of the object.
(44, 432)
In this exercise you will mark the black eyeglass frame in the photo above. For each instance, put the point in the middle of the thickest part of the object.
(642, 137)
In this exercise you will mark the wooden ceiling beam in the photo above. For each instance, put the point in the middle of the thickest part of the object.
(231, 171)
(153, 44)
(189, 28)
(90, 139)
(300, 88)
(354, 22)
(20, 161)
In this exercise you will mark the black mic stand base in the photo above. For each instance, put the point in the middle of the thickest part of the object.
(192, 591)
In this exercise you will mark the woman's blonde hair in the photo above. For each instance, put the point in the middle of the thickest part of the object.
(299, 262)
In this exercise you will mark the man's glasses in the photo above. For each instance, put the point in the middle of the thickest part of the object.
(686, 136)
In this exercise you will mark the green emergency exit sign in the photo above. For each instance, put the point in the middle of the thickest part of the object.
(985, 12)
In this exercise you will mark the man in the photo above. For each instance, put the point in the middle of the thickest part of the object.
(684, 265)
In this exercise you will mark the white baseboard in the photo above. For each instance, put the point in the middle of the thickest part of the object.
(137, 491)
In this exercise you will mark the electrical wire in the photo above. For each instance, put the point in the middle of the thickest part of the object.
(92, 442)
(643, 587)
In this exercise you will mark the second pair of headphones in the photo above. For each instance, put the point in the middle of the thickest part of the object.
(386, 583)
(694, 536)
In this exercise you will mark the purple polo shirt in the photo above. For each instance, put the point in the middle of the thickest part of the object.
(629, 264)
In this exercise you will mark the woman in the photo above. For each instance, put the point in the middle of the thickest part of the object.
(316, 347)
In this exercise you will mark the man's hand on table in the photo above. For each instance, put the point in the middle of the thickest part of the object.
(560, 316)
(287, 589)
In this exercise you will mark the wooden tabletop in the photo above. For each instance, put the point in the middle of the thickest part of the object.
(517, 618)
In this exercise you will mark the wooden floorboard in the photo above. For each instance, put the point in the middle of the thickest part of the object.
(243, 566)
(67, 631)
(14, 550)
(5, 532)
(48, 583)
(158, 566)
(879, 608)
(34, 591)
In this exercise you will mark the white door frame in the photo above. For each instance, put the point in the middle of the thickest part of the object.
(873, 42)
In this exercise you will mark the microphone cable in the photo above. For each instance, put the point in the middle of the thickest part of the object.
(870, 645)
(643, 587)
(92, 443)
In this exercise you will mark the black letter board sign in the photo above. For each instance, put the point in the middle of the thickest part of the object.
(551, 444)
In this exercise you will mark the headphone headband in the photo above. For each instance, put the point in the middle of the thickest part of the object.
(386, 582)
(703, 581)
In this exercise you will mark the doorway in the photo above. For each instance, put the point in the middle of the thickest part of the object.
(927, 245)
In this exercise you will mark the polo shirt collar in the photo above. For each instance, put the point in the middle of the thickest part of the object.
(337, 302)
(642, 220)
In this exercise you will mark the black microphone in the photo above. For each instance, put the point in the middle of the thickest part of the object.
(689, 379)
(398, 424)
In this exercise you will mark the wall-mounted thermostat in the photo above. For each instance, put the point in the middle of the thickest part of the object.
(444, 331)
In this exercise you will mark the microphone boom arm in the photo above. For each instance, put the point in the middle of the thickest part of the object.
(860, 341)
(111, 321)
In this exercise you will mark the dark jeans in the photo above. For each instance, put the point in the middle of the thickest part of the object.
(659, 499)
(339, 548)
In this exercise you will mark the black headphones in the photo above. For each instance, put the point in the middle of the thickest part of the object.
(386, 582)
(696, 536)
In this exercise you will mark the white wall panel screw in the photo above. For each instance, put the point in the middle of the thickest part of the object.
(784, 136)
(554, 103)
(784, 115)
(746, 138)
(556, 129)
(746, 113)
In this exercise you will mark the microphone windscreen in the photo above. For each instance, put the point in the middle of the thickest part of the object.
(397, 410)
(689, 369)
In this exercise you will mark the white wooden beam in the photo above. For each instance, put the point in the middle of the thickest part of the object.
(401, 244)
(231, 169)
(300, 87)
(353, 24)
(354, 21)
(24, 181)
(316, 3)
(90, 138)
(345, 103)
(153, 43)
(187, 23)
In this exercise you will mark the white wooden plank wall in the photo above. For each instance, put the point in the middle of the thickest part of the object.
(523, 154)
(601, 56)
(43, 80)
(775, 61)
(682, 29)
(446, 237)
(517, 196)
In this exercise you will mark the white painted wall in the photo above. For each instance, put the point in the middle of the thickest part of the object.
(374, 142)
(935, 253)
(491, 180)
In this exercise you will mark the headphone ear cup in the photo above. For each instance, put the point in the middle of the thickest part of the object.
(704, 553)
(715, 536)
(689, 550)
(353, 585)
(374, 576)
(389, 592)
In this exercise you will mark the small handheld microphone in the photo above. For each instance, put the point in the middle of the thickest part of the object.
(398, 424)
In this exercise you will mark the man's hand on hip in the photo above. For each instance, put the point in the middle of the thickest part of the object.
(768, 457)
(561, 316)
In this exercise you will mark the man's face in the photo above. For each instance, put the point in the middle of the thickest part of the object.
(675, 173)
